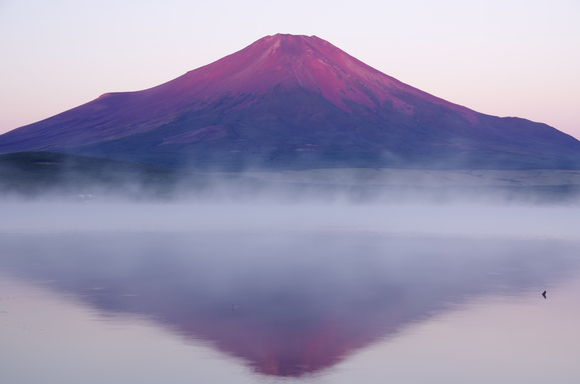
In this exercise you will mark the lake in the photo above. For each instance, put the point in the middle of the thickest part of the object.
(259, 293)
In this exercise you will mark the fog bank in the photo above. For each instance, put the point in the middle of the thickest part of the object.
(405, 219)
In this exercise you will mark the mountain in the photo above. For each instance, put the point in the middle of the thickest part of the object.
(293, 102)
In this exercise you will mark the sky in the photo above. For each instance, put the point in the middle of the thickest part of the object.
(499, 57)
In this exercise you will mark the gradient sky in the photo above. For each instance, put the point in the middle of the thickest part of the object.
(500, 57)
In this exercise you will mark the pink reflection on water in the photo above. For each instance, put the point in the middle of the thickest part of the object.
(288, 306)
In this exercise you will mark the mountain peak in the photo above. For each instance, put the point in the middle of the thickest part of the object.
(308, 62)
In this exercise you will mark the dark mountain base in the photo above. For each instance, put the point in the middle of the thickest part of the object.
(37, 174)
(31, 175)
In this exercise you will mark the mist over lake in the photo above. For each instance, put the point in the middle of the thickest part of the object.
(329, 292)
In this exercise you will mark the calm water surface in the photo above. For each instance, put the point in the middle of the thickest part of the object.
(332, 306)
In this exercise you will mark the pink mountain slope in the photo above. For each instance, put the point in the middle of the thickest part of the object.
(309, 62)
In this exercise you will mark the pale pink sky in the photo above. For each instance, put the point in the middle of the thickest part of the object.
(504, 58)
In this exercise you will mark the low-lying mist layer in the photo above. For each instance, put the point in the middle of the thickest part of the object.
(54, 176)
(406, 219)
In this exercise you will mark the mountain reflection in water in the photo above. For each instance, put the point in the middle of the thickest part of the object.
(287, 305)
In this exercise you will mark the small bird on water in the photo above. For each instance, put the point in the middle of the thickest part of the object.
(544, 294)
